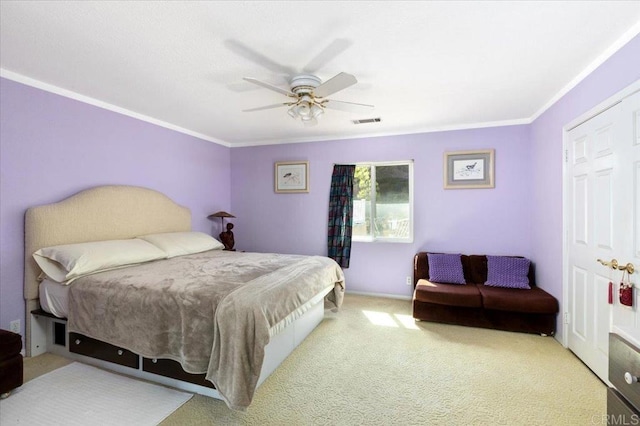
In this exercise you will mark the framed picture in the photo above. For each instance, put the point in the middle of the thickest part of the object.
(292, 176)
(469, 169)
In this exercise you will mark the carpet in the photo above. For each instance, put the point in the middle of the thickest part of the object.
(372, 364)
(79, 394)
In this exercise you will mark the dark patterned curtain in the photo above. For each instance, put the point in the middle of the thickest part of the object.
(341, 213)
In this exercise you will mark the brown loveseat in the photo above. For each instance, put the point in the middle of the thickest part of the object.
(478, 305)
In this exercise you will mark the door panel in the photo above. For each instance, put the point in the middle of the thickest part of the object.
(603, 221)
(580, 219)
(579, 318)
(602, 328)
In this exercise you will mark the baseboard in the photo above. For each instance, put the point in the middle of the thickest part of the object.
(384, 295)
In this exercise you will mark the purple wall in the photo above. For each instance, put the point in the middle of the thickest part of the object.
(494, 221)
(52, 147)
(618, 72)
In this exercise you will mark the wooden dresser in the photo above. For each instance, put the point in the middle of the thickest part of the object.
(623, 400)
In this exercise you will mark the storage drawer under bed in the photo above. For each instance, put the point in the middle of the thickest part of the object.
(93, 348)
(624, 369)
(173, 369)
(84, 345)
(619, 412)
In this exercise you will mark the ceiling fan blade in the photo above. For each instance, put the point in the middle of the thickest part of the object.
(257, 57)
(325, 56)
(334, 84)
(270, 86)
(267, 107)
(345, 106)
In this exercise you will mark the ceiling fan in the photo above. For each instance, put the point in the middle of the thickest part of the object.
(309, 96)
(307, 92)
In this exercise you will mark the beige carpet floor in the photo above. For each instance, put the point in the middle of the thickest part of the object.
(371, 364)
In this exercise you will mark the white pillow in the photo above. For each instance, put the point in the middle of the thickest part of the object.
(67, 262)
(182, 243)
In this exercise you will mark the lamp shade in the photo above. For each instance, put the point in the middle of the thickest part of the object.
(316, 111)
(220, 214)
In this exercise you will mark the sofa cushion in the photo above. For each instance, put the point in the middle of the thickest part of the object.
(507, 271)
(534, 300)
(445, 268)
(475, 268)
(421, 267)
(466, 295)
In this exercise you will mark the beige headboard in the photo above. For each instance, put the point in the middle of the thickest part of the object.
(102, 213)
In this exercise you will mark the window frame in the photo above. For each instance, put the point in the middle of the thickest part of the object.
(372, 238)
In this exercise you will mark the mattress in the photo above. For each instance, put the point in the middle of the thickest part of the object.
(54, 298)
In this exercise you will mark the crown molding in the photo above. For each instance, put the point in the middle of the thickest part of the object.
(602, 58)
(10, 75)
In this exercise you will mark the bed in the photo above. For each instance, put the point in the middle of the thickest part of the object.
(214, 322)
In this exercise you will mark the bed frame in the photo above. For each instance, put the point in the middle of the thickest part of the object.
(121, 212)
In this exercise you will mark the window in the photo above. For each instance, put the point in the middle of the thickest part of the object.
(383, 202)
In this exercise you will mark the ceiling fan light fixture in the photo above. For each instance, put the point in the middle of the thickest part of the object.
(304, 109)
(316, 111)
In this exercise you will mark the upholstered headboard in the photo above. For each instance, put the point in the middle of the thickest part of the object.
(102, 213)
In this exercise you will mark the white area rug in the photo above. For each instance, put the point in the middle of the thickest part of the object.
(78, 394)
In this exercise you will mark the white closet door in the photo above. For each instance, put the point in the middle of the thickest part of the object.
(603, 197)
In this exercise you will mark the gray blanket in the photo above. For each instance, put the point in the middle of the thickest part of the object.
(212, 312)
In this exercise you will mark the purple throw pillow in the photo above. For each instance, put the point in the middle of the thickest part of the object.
(445, 268)
(508, 272)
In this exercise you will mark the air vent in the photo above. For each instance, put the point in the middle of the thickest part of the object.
(367, 120)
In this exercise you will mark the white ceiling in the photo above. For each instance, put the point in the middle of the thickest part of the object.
(424, 65)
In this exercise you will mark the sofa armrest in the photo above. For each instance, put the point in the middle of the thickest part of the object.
(420, 267)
